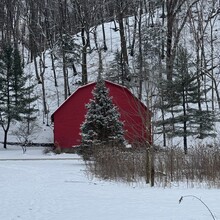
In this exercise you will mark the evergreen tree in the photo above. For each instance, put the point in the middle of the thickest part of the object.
(16, 97)
(102, 122)
(115, 70)
(180, 99)
(119, 72)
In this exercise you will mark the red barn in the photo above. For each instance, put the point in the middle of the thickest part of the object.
(70, 115)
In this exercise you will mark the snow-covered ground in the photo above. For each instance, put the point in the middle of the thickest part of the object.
(51, 189)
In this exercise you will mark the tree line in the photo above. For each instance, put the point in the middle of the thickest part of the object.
(168, 52)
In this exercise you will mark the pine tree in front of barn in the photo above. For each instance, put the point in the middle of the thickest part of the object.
(102, 124)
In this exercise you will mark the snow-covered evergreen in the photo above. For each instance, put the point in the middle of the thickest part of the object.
(102, 122)
(15, 97)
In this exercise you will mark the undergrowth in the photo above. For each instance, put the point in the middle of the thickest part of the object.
(200, 166)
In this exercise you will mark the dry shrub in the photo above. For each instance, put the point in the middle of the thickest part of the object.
(47, 150)
(58, 150)
(200, 166)
(117, 163)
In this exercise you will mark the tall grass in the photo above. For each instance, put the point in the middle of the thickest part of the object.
(200, 166)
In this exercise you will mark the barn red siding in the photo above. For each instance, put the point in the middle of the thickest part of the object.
(70, 115)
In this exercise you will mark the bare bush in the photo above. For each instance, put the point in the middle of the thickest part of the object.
(25, 132)
(117, 163)
(171, 165)
(200, 165)
(47, 150)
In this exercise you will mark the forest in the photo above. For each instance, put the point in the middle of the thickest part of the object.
(165, 51)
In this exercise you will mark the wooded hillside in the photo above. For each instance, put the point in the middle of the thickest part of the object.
(166, 51)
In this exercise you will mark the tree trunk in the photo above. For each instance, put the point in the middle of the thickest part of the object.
(65, 76)
(198, 72)
(84, 58)
(140, 53)
(169, 57)
(152, 167)
(36, 70)
(100, 69)
(5, 138)
(134, 36)
(184, 124)
(104, 38)
(54, 70)
(42, 70)
(6, 129)
(123, 47)
(164, 128)
(123, 40)
(147, 168)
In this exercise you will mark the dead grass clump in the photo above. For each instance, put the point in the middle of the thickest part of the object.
(200, 165)
(47, 150)
(171, 165)
(117, 163)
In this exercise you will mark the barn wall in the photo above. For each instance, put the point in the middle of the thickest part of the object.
(69, 117)
(133, 113)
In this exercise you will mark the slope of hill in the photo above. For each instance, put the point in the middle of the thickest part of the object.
(54, 95)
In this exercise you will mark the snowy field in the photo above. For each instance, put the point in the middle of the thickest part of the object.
(35, 186)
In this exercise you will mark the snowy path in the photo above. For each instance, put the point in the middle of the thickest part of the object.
(32, 159)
